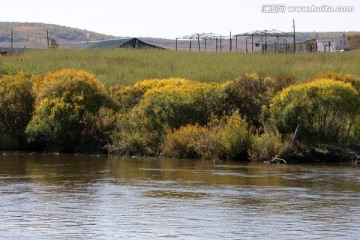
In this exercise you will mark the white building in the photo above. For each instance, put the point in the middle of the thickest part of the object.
(332, 44)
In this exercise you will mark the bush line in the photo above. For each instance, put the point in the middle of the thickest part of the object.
(252, 117)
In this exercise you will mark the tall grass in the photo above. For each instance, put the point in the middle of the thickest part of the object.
(127, 66)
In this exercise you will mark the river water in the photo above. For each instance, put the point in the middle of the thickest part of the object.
(44, 196)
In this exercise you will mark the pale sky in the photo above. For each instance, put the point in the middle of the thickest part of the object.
(175, 18)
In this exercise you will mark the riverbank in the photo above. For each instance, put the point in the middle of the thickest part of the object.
(325, 154)
(252, 116)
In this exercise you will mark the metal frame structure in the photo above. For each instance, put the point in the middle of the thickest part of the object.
(202, 37)
(263, 38)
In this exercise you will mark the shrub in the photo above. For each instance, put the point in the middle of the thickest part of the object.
(267, 146)
(154, 106)
(126, 97)
(180, 143)
(129, 137)
(172, 106)
(67, 103)
(347, 78)
(327, 110)
(228, 138)
(248, 94)
(97, 130)
(148, 84)
(15, 109)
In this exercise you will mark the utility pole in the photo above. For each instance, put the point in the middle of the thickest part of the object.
(12, 39)
(265, 49)
(47, 37)
(230, 42)
(236, 37)
(246, 44)
(252, 43)
(198, 38)
(294, 36)
(205, 43)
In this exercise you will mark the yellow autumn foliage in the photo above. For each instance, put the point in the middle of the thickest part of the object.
(64, 101)
(15, 109)
(327, 110)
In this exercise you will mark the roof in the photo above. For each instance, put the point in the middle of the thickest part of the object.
(324, 40)
(330, 39)
(269, 33)
(120, 43)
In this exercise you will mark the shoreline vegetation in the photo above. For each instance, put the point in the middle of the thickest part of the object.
(217, 106)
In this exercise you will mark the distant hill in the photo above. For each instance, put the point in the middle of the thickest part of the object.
(35, 34)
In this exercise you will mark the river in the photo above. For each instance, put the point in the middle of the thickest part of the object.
(45, 196)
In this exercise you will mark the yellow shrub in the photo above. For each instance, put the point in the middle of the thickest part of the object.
(16, 104)
(326, 110)
(158, 83)
(347, 78)
(65, 102)
(180, 143)
(228, 138)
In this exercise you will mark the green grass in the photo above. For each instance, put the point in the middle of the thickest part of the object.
(129, 66)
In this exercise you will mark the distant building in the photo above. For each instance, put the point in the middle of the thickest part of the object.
(118, 43)
(323, 45)
(332, 44)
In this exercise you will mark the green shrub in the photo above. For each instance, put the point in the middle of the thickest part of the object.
(130, 138)
(250, 92)
(266, 146)
(174, 105)
(126, 97)
(16, 104)
(67, 105)
(151, 107)
(327, 110)
(228, 138)
(180, 143)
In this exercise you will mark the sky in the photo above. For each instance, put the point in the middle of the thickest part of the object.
(175, 18)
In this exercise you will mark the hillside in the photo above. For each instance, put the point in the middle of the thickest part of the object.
(34, 34)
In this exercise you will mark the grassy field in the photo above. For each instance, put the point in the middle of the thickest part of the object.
(129, 66)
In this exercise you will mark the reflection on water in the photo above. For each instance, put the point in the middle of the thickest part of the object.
(89, 197)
